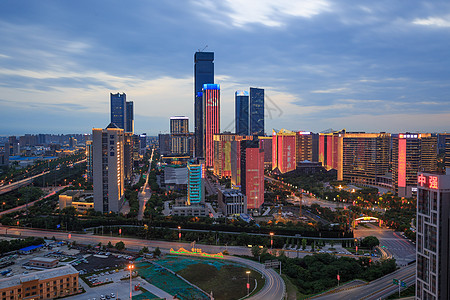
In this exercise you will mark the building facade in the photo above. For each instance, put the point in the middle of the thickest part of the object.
(223, 154)
(256, 111)
(241, 112)
(211, 120)
(89, 166)
(130, 117)
(232, 202)
(411, 153)
(283, 151)
(252, 173)
(432, 236)
(119, 109)
(48, 284)
(203, 74)
(128, 161)
(196, 189)
(108, 168)
(180, 137)
(304, 146)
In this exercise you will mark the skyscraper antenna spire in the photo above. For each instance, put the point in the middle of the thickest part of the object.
(202, 49)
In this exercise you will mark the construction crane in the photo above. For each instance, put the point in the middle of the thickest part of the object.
(202, 49)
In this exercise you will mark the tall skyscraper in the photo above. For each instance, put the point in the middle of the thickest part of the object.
(283, 151)
(211, 120)
(119, 109)
(196, 193)
(432, 236)
(256, 111)
(130, 117)
(241, 113)
(304, 146)
(128, 162)
(411, 153)
(108, 168)
(223, 154)
(203, 74)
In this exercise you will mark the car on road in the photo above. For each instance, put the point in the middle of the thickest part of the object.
(102, 297)
(113, 295)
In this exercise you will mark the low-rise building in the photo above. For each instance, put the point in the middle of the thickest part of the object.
(80, 199)
(232, 202)
(48, 284)
(43, 262)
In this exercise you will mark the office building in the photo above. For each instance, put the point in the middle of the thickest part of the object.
(266, 144)
(241, 113)
(411, 153)
(14, 147)
(252, 173)
(196, 188)
(165, 144)
(130, 117)
(80, 199)
(232, 202)
(211, 120)
(48, 284)
(236, 160)
(179, 132)
(72, 142)
(331, 151)
(256, 111)
(89, 161)
(119, 109)
(432, 235)
(143, 141)
(203, 74)
(4, 155)
(283, 151)
(108, 168)
(447, 152)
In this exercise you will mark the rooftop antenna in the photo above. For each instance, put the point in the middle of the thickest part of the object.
(202, 49)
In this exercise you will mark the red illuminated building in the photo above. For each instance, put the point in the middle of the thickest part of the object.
(211, 120)
(283, 151)
(252, 180)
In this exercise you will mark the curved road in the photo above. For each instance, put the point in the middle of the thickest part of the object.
(274, 288)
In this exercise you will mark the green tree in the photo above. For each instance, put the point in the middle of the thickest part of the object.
(304, 242)
(157, 252)
(370, 242)
(110, 245)
(256, 251)
(120, 245)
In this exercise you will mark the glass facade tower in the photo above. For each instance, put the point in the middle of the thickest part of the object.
(203, 74)
(256, 111)
(241, 113)
(119, 109)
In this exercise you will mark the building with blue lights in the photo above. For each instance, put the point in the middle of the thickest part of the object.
(195, 183)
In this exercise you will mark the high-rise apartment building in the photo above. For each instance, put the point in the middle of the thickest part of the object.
(432, 236)
(108, 168)
(130, 117)
(365, 157)
(283, 151)
(241, 112)
(304, 146)
(211, 120)
(252, 173)
(196, 173)
(256, 111)
(203, 74)
(411, 153)
(223, 154)
(179, 133)
(236, 171)
(266, 144)
(330, 151)
(119, 109)
(89, 161)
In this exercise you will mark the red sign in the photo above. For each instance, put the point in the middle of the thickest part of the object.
(120, 230)
(248, 285)
(338, 277)
(431, 182)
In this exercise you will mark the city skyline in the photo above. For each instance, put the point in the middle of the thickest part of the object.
(323, 64)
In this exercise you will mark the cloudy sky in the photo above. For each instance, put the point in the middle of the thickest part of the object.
(361, 65)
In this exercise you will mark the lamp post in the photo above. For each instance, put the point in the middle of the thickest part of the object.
(248, 282)
(179, 233)
(271, 241)
(130, 267)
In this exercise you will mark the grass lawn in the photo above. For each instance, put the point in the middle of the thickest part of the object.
(292, 292)
(230, 282)
(410, 291)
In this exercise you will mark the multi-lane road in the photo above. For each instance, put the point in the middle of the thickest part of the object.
(274, 288)
(376, 289)
(392, 242)
(145, 193)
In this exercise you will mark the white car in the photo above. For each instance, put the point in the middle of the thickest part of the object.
(113, 295)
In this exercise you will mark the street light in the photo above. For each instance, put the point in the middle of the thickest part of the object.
(248, 282)
(130, 267)
(271, 241)
(179, 233)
